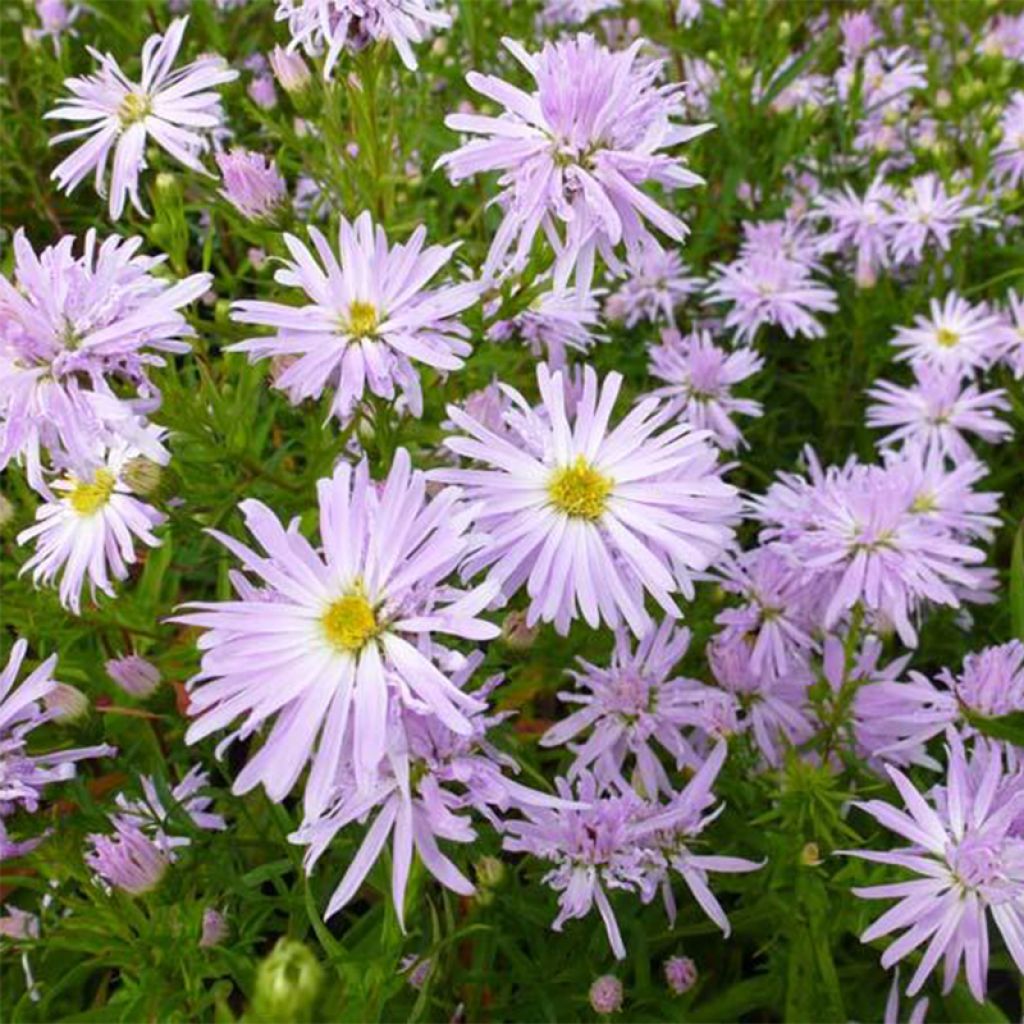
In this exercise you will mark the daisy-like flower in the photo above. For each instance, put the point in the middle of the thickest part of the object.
(173, 108)
(24, 776)
(1008, 158)
(587, 516)
(575, 153)
(89, 529)
(1013, 353)
(323, 644)
(928, 215)
(554, 323)
(863, 224)
(657, 283)
(70, 328)
(971, 867)
(629, 709)
(369, 318)
(699, 377)
(771, 290)
(937, 411)
(127, 859)
(957, 337)
(332, 26)
(252, 184)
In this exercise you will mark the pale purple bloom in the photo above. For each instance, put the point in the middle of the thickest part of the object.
(290, 69)
(863, 224)
(554, 323)
(127, 859)
(333, 26)
(154, 819)
(574, 12)
(88, 530)
(957, 336)
(262, 92)
(1013, 354)
(680, 974)
(252, 184)
(605, 994)
(790, 237)
(173, 108)
(324, 645)
(928, 215)
(699, 377)
(574, 154)
(369, 318)
(699, 85)
(892, 1005)
(71, 327)
(24, 776)
(18, 924)
(937, 411)
(656, 283)
(594, 516)
(771, 290)
(970, 864)
(214, 928)
(630, 709)
(56, 19)
(859, 34)
(1008, 158)
(1004, 37)
(888, 78)
(135, 675)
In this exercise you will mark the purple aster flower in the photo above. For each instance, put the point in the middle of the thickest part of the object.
(334, 26)
(262, 92)
(970, 865)
(88, 530)
(369, 317)
(630, 709)
(680, 974)
(554, 323)
(958, 336)
(252, 184)
(150, 816)
(888, 78)
(1003, 37)
(699, 377)
(290, 70)
(766, 289)
(24, 776)
(127, 859)
(1013, 354)
(336, 624)
(173, 108)
(574, 154)
(605, 994)
(928, 214)
(593, 517)
(656, 283)
(214, 928)
(937, 411)
(134, 675)
(863, 224)
(859, 34)
(71, 327)
(56, 18)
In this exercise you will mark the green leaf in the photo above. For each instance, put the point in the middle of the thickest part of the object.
(1004, 727)
(1017, 584)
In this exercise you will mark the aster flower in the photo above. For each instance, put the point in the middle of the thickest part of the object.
(591, 517)
(859, 34)
(333, 26)
(699, 377)
(56, 18)
(173, 108)
(680, 974)
(370, 317)
(150, 816)
(656, 283)
(928, 214)
(70, 328)
(24, 776)
(1013, 354)
(605, 994)
(863, 224)
(937, 411)
(1004, 37)
(134, 675)
(336, 625)
(290, 70)
(252, 184)
(957, 336)
(970, 866)
(629, 709)
(575, 153)
(127, 860)
(89, 529)
(1008, 158)
(771, 290)
(554, 323)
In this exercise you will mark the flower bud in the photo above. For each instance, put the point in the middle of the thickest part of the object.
(143, 476)
(680, 974)
(291, 70)
(215, 928)
(287, 984)
(606, 994)
(516, 633)
(810, 855)
(6, 511)
(67, 703)
(134, 675)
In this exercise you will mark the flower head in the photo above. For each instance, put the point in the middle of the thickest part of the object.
(680, 974)
(605, 994)
(127, 859)
(369, 318)
(172, 108)
(134, 675)
(575, 153)
(554, 323)
(252, 184)
(657, 283)
(928, 215)
(587, 516)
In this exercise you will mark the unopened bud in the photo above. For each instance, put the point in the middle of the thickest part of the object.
(287, 984)
(143, 476)
(66, 703)
(606, 994)
(516, 633)
(680, 974)
(810, 855)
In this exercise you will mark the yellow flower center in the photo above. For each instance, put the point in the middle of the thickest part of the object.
(362, 319)
(579, 490)
(88, 499)
(134, 107)
(349, 623)
(947, 338)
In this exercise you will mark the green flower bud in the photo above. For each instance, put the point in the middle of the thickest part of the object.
(287, 984)
(143, 476)
(67, 703)
(7, 511)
